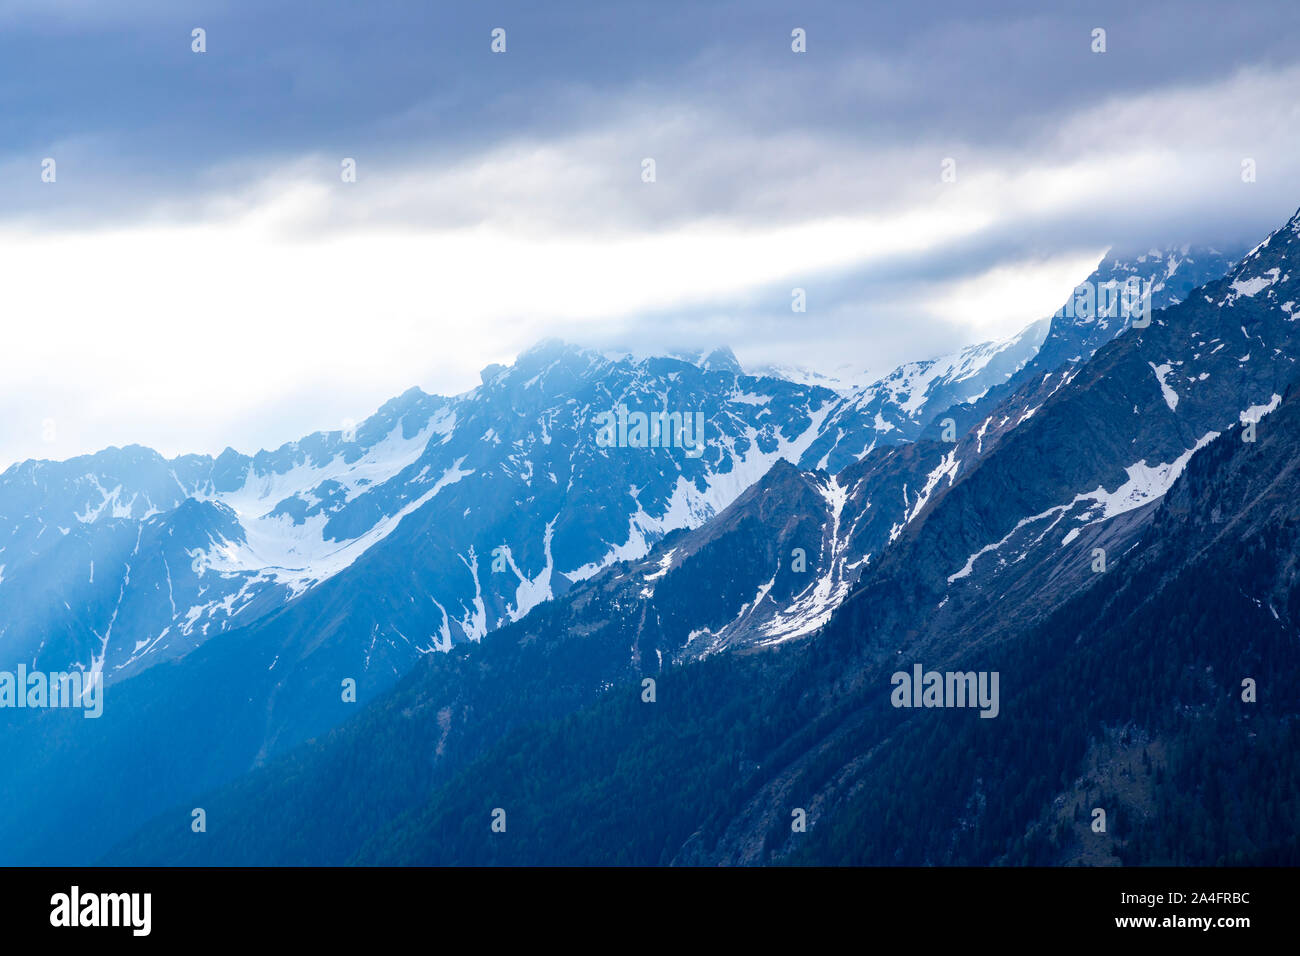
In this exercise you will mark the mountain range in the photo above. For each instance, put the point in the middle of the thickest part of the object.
(500, 588)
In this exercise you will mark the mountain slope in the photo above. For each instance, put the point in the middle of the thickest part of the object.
(122, 559)
(1147, 664)
(914, 399)
(509, 502)
(742, 736)
(1097, 312)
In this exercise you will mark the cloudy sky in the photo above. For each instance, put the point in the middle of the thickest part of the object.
(198, 274)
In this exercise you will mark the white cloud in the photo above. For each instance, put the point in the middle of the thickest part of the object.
(252, 314)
